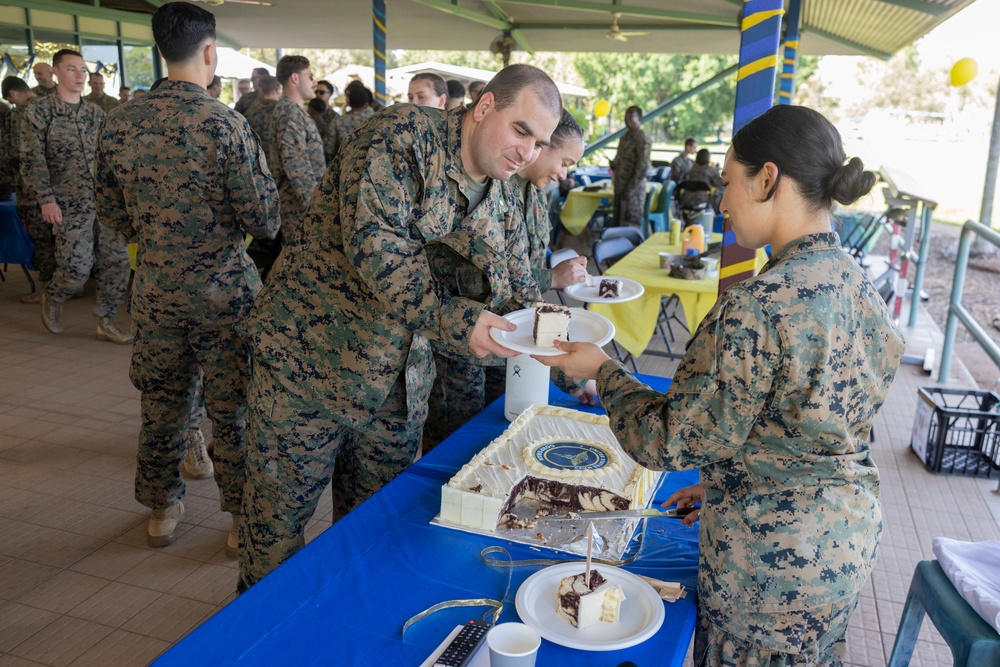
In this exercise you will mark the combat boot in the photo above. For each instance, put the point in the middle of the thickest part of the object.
(108, 330)
(197, 464)
(233, 542)
(163, 523)
(31, 297)
(51, 313)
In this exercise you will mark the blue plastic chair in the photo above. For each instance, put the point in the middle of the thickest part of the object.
(973, 641)
(633, 234)
(659, 217)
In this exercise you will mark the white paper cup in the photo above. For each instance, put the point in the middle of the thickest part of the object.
(513, 645)
(711, 264)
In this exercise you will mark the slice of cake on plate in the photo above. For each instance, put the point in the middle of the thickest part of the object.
(584, 605)
(551, 324)
(610, 288)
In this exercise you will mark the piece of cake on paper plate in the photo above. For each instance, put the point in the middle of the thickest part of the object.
(584, 605)
(610, 288)
(565, 459)
(551, 324)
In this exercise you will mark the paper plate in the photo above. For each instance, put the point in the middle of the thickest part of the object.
(584, 327)
(581, 292)
(642, 611)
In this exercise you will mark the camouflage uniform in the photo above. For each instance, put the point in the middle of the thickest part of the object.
(44, 255)
(44, 92)
(629, 177)
(342, 365)
(296, 160)
(58, 155)
(464, 386)
(325, 122)
(706, 173)
(185, 177)
(243, 104)
(259, 118)
(774, 401)
(7, 159)
(107, 103)
(340, 128)
(679, 167)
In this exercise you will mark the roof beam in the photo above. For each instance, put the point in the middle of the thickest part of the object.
(453, 9)
(624, 10)
(860, 48)
(516, 33)
(921, 6)
(658, 27)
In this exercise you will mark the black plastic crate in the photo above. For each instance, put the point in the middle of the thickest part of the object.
(957, 431)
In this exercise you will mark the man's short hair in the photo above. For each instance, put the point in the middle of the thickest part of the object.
(216, 81)
(358, 97)
(326, 84)
(64, 53)
(690, 141)
(268, 85)
(261, 71)
(124, 88)
(455, 89)
(93, 74)
(179, 28)
(437, 83)
(474, 84)
(512, 79)
(289, 65)
(13, 83)
(317, 105)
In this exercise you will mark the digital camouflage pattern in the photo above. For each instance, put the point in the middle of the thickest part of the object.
(58, 154)
(8, 156)
(325, 122)
(628, 177)
(296, 161)
(774, 401)
(387, 258)
(107, 103)
(259, 118)
(339, 129)
(184, 177)
(245, 102)
(44, 255)
(679, 167)
(44, 92)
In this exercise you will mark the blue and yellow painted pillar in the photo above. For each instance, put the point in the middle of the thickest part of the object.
(760, 34)
(378, 29)
(790, 62)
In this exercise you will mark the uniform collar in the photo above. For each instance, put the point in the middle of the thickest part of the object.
(495, 198)
(808, 243)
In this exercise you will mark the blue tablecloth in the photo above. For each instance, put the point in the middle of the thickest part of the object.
(344, 598)
(16, 246)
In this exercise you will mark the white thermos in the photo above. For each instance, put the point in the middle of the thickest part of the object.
(527, 384)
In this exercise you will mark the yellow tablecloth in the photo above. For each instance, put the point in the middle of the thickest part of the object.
(581, 205)
(635, 321)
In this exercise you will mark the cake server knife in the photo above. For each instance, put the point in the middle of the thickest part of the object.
(624, 514)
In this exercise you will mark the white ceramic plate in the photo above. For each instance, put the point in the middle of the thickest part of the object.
(581, 292)
(642, 611)
(584, 327)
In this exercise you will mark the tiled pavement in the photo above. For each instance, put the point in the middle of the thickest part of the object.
(78, 586)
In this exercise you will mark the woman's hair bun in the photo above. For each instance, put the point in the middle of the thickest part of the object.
(851, 182)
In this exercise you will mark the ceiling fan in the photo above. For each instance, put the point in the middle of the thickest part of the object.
(502, 46)
(216, 3)
(616, 33)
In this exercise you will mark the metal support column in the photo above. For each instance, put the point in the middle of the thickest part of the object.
(760, 33)
(790, 63)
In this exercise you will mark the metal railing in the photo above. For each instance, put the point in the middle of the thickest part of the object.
(956, 311)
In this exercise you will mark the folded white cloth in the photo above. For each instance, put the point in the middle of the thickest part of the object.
(974, 570)
(667, 590)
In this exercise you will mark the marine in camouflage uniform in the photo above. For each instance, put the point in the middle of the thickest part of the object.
(185, 178)
(464, 386)
(44, 255)
(7, 159)
(628, 177)
(243, 104)
(105, 101)
(259, 117)
(340, 128)
(679, 167)
(774, 401)
(389, 255)
(296, 160)
(41, 91)
(58, 155)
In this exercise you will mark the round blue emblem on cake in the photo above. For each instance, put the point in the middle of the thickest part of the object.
(571, 456)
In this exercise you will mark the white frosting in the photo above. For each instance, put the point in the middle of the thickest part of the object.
(601, 604)
(551, 326)
(475, 495)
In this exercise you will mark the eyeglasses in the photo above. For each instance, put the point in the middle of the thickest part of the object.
(322, 92)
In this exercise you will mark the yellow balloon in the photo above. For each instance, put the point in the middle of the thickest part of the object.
(601, 108)
(963, 72)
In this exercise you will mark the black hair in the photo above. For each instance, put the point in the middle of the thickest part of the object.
(261, 71)
(689, 141)
(267, 85)
(289, 65)
(179, 28)
(437, 83)
(704, 156)
(568, 127)
(635, 109)
(326, 83)
(511, 80)
(63, 53)
(358, 97)
(807, 148)
(455, 88)
(124, 88)
(13, 83)
(317, 105)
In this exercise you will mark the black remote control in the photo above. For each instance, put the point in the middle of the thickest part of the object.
(464, 646)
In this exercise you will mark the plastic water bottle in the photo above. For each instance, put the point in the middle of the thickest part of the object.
(527, 385)
(694, 240)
